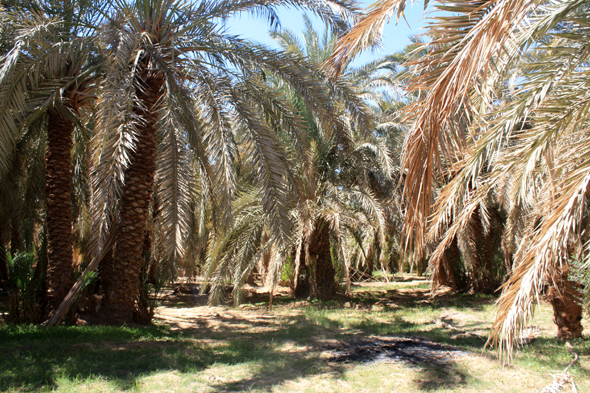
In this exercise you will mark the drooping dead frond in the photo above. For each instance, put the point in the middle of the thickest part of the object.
(447, 75)
(366, 33)
(547, 250)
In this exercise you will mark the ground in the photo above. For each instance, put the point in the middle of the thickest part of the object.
(387, 337)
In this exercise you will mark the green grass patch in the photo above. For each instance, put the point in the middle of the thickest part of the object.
(251, 349)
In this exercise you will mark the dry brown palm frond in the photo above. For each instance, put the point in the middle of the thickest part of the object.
(448, 75)
(451, 84)
(366, 33)
(547, 250)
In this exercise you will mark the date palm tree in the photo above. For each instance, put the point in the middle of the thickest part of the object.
(169, 99)
(333, 207)
(46, 82)
(515, 148)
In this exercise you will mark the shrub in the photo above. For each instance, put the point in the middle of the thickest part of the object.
(26, 284)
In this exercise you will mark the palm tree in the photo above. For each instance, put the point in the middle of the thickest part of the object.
(334, 208)
(472, 55)
(46, 79)
(358, 169)
(21, 202)
(188, 86)
(171, 79)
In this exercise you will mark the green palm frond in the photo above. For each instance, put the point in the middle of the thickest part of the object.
(267, 156)
(173, 193)
(33, 75)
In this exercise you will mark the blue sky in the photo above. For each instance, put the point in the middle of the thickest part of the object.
(395, 35)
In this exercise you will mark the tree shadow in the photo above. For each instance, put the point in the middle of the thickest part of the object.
(35, 358)
(283, 348)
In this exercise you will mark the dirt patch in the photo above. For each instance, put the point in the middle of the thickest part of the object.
(206, 321)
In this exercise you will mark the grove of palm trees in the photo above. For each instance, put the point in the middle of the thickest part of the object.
(186, 209)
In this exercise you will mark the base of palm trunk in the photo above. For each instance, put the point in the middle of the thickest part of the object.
(325, 283)
(119, 314)
(321, 269)
(123, 301)
(567, 312)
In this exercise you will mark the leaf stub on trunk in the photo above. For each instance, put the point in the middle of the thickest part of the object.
(324, 282)
(58, 186)
(121, 281)
(567, 311)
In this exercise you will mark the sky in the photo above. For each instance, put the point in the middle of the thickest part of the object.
(395, 37)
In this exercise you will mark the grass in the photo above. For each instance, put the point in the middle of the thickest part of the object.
(220, 349)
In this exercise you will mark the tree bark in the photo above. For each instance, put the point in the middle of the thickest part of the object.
(3, 257)
(123, 283)
(58, 186)
(16, 240)
(567, 310)
(370, 260)
(323, 272)
(485, 277)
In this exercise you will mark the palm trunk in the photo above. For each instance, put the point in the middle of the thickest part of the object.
(123, 283)
(58, 186)
(324, 274)
(442, 272)
(266, 277)
(16, 241)
(508, 257)
(370, 259)
(485, 275)
(3, 257)
(3, 265)
(455, 268)
(567, 311)
(107, 266)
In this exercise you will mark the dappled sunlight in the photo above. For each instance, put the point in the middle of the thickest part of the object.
(320, 347)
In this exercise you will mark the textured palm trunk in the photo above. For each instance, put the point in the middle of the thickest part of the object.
(3, 258)
(3, 265)
(508, 259)
(122, 283)
(450, 269)
(442, 274)
(479, 253)
(16, 240)
(370, 258)
(324, 284)
(107, 266)
(456, 267)
(485, 275)
(567, 311)
(58, 186)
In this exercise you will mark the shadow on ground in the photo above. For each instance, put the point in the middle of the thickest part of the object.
(280, 347)
(36, 358)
